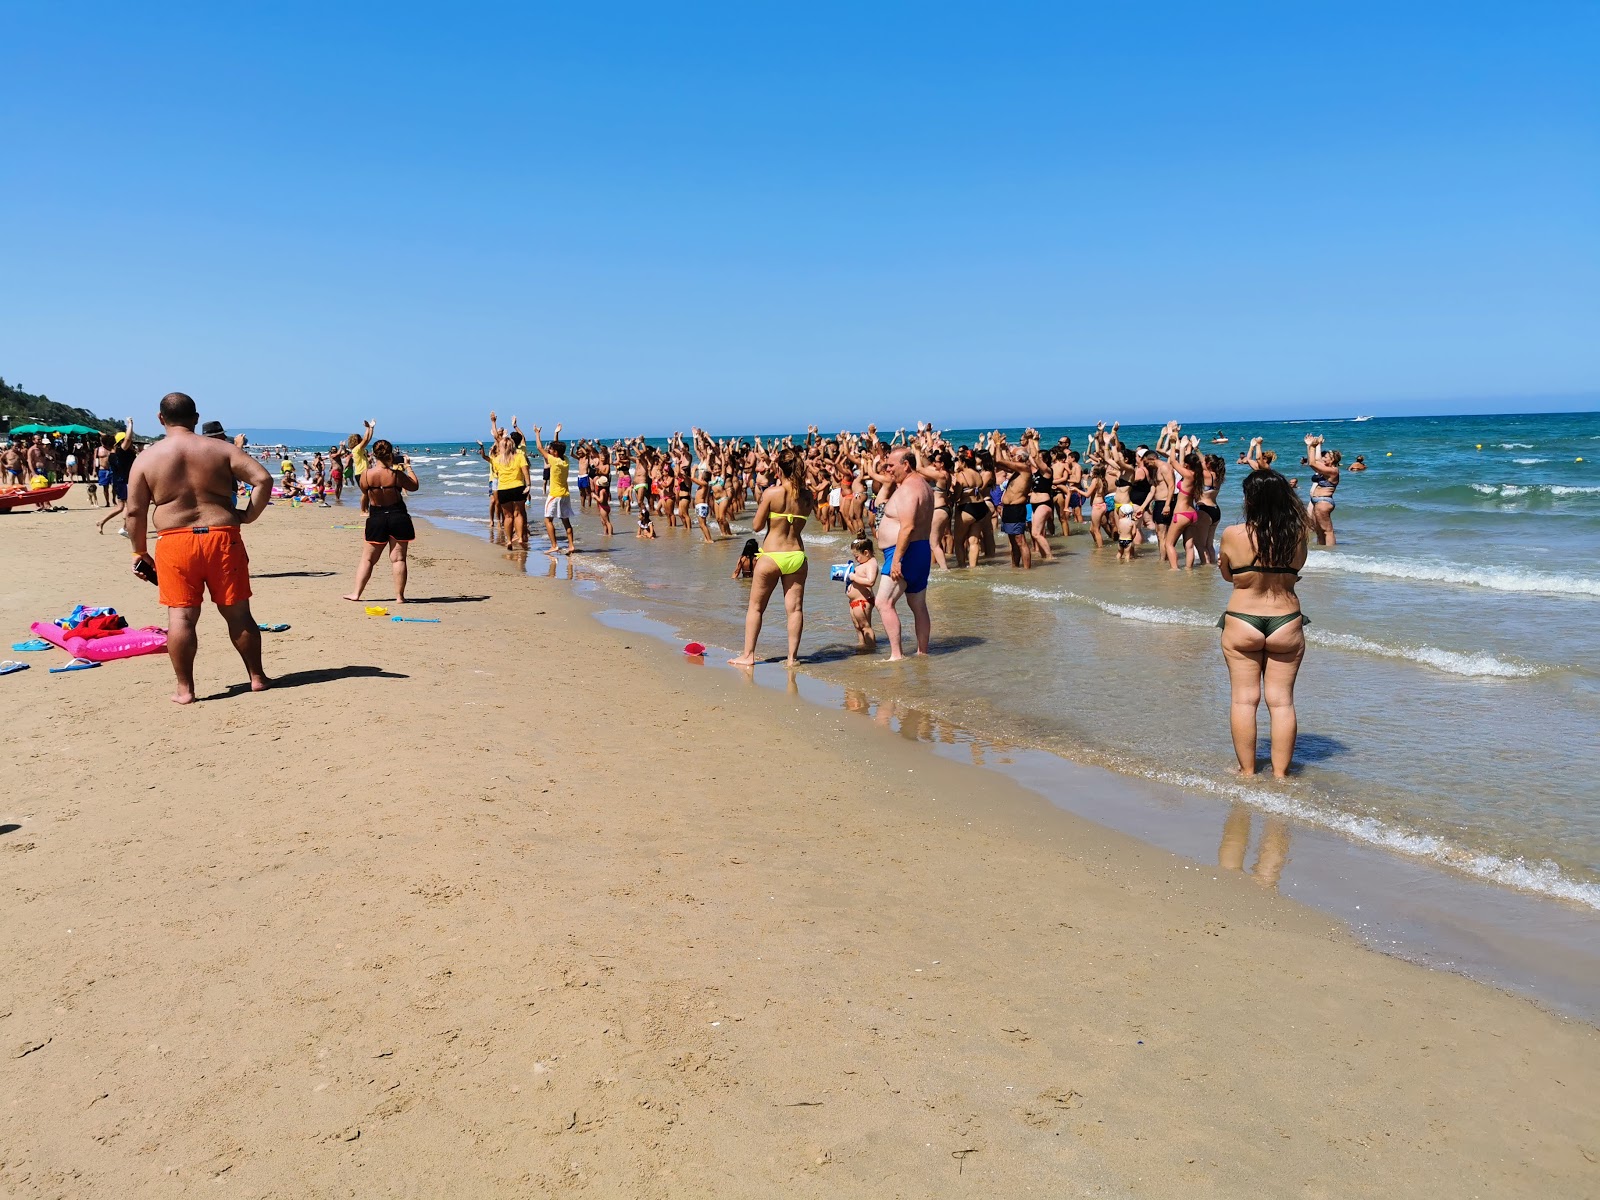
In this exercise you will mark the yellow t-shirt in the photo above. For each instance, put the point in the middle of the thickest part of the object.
(358, 460)
(509, 474)
(558, 476)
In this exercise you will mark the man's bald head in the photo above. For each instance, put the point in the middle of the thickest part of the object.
(178, 409)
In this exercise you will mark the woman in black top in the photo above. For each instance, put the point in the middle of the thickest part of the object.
(384, 486)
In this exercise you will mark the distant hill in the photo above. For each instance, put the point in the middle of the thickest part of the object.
(26, 409)
(291, 437)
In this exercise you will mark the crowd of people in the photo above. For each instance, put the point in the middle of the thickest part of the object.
(100, 462)
(914, 504)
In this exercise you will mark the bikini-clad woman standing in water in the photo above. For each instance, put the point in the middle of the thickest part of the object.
(1210, 510)
(936, 470)
(1325, 464)
(1263, 629)
(782, 513)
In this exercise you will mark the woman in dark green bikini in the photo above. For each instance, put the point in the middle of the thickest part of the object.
(1263, 629)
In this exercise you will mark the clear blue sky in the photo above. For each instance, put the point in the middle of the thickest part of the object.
(634, 217)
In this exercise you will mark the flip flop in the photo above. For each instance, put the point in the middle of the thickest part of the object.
(273, 628)
(77, 664)
(417, 620)
(31, 644)
(11, 666)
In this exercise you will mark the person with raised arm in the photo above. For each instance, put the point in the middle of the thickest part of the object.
(558, 498)
(120, 463)
(1325, 465)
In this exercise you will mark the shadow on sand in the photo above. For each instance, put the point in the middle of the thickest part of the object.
(296, 679)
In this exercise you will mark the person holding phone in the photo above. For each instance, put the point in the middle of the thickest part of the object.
(192, 482)
(384, 486)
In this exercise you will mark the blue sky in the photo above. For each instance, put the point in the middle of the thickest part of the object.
(637, 217)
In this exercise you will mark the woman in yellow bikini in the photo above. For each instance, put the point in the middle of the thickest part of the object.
(782, 513)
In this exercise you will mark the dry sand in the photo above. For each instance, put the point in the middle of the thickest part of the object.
(517, 905)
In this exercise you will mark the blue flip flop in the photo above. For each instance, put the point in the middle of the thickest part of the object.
(77, 664)
(11, 667)
(273, 628)
(32, 644)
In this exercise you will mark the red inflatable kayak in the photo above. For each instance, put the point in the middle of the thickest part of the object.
(17, 497)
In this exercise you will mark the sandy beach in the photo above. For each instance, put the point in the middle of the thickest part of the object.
(519, 905)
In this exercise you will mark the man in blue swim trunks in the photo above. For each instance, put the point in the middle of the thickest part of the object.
(903, 532)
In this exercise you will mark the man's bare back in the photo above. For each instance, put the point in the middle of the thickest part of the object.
(193, 480)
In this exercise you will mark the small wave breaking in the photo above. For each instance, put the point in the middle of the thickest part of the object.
(1480, 665)
(1499, 579)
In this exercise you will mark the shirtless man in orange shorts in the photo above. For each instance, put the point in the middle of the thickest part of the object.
(192, 481)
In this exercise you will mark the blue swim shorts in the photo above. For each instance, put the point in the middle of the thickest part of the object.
(914, 568)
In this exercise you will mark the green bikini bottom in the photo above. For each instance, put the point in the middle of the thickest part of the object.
(1267, 625)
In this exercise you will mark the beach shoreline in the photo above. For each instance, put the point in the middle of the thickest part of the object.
(409, 923)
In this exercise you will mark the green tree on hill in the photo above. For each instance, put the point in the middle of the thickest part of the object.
(26, 409)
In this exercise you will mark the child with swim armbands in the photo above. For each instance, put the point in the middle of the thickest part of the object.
(860, 578)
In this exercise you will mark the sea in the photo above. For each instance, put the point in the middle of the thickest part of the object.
(1449, 703)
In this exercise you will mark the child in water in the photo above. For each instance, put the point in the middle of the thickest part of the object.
(859, 582)
(745, 568)
(1127, 532)
(646, 530)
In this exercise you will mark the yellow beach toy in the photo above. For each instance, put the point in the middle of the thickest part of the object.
(374, 610)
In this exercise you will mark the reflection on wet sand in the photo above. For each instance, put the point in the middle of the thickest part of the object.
(1271, 854)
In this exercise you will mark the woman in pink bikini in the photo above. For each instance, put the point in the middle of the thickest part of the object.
(1188, 474)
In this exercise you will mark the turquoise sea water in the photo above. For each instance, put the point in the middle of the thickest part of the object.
(1449, 698)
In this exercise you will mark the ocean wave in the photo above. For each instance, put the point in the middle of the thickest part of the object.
(1508, 490)
(1529, 462)
(1516, 445)
(1479, 665)
(1498, 579)
(1562, 489)
(1545, 877)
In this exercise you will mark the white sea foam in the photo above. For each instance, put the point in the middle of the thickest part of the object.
(1543, 877)
(1508, 490)
(1451, 661)
(1516, 445)
(1561, 489)
(1528, 462)
(1499, 579)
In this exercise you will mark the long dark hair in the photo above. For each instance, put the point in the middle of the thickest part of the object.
(791, 465)
(1276, 517)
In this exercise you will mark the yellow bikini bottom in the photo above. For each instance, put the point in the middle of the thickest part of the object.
(788, 561)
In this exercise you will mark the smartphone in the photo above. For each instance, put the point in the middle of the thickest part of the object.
(145, 570)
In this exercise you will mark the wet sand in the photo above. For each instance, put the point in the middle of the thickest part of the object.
(519, 904)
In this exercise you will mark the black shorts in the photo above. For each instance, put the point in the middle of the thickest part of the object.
(1158, 510)
(518, 495)
(1211, 510)
(387, 523)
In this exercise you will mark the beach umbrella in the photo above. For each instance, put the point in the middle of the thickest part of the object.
(53, 429)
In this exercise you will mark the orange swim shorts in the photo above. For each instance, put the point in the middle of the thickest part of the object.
(189, 560)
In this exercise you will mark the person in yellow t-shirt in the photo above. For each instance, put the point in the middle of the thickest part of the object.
(358, 444)
(558, 499)
(510, 467)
